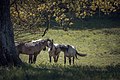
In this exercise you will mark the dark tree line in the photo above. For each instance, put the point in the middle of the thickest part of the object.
(30, 14)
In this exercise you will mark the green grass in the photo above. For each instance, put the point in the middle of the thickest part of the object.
(59, 72)
(102, 62)
(102, 46)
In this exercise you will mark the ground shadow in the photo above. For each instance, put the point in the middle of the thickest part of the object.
(56, 72)
(43, 72)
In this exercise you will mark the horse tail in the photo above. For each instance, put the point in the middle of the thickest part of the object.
(82, 55)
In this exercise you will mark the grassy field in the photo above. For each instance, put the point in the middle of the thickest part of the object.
(102, 62)
(101, 46)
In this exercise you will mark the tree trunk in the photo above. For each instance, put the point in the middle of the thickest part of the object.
(8, 54)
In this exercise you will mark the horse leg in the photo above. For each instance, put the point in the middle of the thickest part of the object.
(35, 57)
(70, 60)
(50, 58)
(57, 57)
(64, 59)
(73, 59)
(30, 58)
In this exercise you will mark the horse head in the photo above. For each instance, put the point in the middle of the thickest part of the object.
(45, 43)
(19, 47)
(50, 43)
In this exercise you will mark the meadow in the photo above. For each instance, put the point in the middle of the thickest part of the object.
(102, 62)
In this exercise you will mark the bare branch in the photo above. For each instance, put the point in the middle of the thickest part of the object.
(13, 3)
(45, 31)
(16, 8)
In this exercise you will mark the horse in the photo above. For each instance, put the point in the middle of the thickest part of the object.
(54, 51)
(32, 48)
(69, 51)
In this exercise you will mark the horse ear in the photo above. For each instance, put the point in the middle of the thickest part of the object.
(48, 39)
(52, 40)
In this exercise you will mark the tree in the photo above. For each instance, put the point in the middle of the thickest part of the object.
(8, 54)
(61, 13)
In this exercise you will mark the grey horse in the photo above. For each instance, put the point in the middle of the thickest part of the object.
(70, 52)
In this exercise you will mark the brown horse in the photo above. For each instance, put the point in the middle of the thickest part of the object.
(69, 51)
(32, 48)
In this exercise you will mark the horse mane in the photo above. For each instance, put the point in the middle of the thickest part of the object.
(36, 40)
